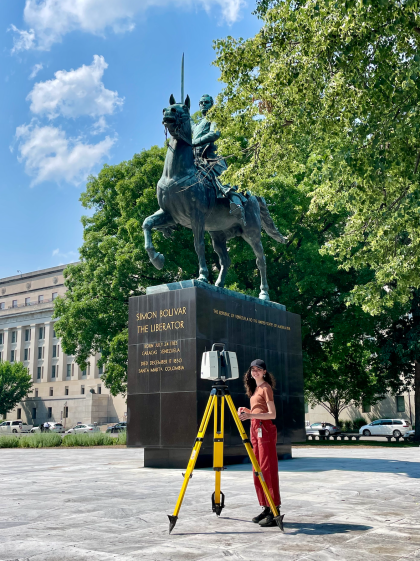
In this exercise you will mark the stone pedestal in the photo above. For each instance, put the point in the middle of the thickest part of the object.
(169, 329)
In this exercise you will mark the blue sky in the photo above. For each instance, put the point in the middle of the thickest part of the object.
(84, 83)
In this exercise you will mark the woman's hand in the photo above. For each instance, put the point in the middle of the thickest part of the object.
(244, 415)
(243, 410)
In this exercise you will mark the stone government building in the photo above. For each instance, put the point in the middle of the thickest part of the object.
(61, 391)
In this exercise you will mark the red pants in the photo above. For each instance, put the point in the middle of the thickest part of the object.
(266, 454)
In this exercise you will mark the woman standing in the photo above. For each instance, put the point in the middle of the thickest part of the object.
(259, 386)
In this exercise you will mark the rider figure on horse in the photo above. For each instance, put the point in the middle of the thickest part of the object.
(208, 163)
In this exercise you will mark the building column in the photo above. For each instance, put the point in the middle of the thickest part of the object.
(48, 350)
(62, 362)
(20, 344)
(33, 362)
(6, 344)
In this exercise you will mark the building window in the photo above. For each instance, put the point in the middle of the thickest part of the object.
(39, 352)
(51, 392)
(27, 301)
(72, 369)
(14, 303)
(82, 390)
(101, 370)
(12, 356)
(1, 355)
(54, 334)
(68, 371)
(1, 338)
(306, 407)
(54, 351)
(40, 298)
(66, 412)
(27, 335)
(14, 336)
(26, 354)
(99, 389)
(54, 295)
(49, 412)
(400, 404)
(38, 374)
(66, 390)
(83, 373)
(36, 392)
(366, 407)
(33, 413)
(18, 413)
(41, 333)
(53, 371)
(2, 305)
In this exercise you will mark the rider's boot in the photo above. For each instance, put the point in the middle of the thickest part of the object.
(236, 207)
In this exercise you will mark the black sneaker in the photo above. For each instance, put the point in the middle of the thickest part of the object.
(268, 521)
(263, 515)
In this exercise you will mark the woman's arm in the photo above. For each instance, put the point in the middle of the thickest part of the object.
(260, 416)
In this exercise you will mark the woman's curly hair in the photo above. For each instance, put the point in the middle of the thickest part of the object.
(250, 384)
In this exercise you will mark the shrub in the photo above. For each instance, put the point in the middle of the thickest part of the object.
(357, 423)
(94, 439)
(341, 423)
(347, 426)
(9, 442)
(121, 438)
(37, 440)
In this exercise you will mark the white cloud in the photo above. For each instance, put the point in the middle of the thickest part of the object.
(75, 93)
(35, 70)
(66, 257)
(50, 20)
(22, 40)
(100, 126)
(50, 156)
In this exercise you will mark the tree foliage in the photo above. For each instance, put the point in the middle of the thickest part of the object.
(93, 314)
(15, 384)
(336, 82)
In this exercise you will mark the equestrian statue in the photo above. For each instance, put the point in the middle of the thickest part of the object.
(191, 193)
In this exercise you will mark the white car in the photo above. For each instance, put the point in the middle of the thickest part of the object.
(409, 436)
(14, 427)
(386, 427)
(83, 428)
(54, 427)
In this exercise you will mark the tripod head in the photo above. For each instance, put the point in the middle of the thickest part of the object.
(219, 365)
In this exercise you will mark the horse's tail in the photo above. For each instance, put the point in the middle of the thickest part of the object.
(267, 222)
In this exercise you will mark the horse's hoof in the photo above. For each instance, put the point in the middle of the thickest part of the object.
(158, 260)
(220, 284)
(201, 278)
(264, 295)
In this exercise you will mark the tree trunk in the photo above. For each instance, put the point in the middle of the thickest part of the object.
(417, 400)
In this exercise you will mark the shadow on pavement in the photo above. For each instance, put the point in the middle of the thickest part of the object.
(316, 465)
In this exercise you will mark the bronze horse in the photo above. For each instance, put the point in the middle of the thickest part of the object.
(184, 198)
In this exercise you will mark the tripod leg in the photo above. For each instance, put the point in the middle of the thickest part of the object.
(193, 459)
(219, 423)
(277, 517)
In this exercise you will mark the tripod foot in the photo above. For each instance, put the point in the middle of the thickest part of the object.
(279, 521)
(217, 508)
(172, 522)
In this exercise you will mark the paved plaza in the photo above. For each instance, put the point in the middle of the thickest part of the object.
(101, 504)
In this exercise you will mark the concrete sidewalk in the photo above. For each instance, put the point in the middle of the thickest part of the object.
(341, 504)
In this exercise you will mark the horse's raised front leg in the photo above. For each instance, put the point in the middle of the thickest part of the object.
(258, 249)
(219, 246)
(156, 220)
(197, 225)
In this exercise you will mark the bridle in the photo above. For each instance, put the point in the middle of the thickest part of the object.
(179, 121)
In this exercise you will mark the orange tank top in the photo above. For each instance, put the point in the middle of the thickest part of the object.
(260, 397)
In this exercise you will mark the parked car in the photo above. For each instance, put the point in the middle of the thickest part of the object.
(83, 428)
(328, 427)
(14, 426)
(54, 427)
(409, 435)
(386, 427)
(117, 427)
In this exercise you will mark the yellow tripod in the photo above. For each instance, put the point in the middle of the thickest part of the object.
(218, 395)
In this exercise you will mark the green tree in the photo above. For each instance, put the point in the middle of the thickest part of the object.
(325, 98)
(15, 384)
(93, 314)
